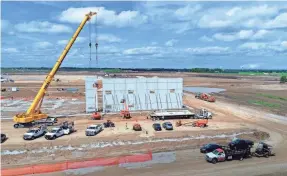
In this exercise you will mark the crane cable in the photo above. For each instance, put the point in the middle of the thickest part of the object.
(96, 39)
(90, 44)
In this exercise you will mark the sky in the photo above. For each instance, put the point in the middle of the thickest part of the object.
(250, 35)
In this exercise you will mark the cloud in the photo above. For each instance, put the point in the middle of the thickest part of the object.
(78, 40)
(187, 12)
(10, 50)
(206, 39)
(62, 42)
(42, 27)
(248, 16)
(110, 38)
(42, 45)
(213, 50)
(104, 16)
(277, 46)
(150, 50)
(241, 35)
(171, 42)
(250, 66)
(153, 43)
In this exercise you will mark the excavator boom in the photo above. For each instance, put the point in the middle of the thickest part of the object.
(34, 113)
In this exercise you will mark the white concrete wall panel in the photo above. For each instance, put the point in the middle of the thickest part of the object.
(91, 94)
(142, 93)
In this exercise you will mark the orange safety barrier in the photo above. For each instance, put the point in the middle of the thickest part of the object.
(91, 163)
(17, 171)
(48, 168)
(39, 169)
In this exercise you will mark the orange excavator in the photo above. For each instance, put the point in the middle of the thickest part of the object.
(125, 113)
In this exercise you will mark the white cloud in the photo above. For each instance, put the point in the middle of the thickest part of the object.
(78, 40)
(110, 38)
(253, 45)
(213, 50)
(241, 35)
(277, 46)
(250, 66)
(279, 21)
(105, 17)
(187, 12)
(62, 42)
(43, 27)
(248, 16)
(171, 42)
(150, 50)
(205, 39)
(10, 50)
(42, 45)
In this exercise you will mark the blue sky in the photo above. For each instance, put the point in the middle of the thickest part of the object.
(147, 34)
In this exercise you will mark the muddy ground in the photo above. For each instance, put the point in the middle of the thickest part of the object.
(235, 115)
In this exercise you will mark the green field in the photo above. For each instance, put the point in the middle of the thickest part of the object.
(263, 73)
(271, 96)
(112, 70)
(264, 103)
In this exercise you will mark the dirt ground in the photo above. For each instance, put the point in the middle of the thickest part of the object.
(234, 116)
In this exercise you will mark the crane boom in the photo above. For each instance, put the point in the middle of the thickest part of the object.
(34, 113)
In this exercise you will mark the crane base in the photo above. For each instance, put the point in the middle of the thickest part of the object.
(23, 118)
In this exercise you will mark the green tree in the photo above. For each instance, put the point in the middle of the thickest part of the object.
(283, 79)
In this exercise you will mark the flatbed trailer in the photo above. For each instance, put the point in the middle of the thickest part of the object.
(167, 115)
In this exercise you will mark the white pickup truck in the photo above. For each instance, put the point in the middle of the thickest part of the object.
(92, 130)
(54, 133)
(68, 127)
(35, 133)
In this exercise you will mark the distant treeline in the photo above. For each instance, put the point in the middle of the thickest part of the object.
(118, 70)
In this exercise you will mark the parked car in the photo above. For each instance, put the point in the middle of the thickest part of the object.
(240, 144)
(3, 137)
(54, 133)
(35, 133)
(92, 130)
(209, 148)
(167, 126)
(156, 127)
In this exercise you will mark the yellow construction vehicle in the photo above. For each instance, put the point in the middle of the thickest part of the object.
(34, 113)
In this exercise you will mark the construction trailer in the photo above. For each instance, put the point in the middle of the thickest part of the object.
(139, 93)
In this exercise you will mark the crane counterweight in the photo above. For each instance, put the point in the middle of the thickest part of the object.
(34, 113)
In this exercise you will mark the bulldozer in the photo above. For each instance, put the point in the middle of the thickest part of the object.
(125, 113)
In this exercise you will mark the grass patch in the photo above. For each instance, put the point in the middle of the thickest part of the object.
(260, 73)
(264, 103)
(112, 70)
(271, 96)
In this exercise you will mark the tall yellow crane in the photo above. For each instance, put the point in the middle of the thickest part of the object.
(34, 113)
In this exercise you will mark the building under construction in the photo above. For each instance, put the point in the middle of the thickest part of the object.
(139, 94)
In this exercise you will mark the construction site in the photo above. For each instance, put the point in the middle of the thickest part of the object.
(87, 123)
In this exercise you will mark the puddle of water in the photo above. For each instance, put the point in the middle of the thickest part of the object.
(157, 158)
(203, 89)
(84, 171)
